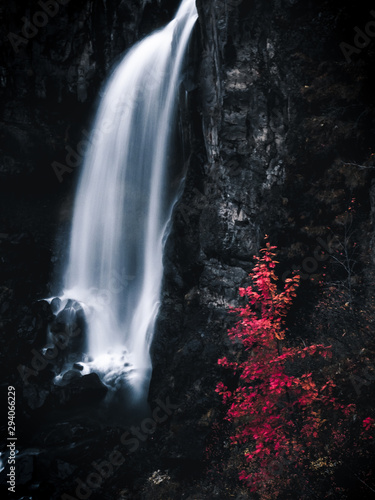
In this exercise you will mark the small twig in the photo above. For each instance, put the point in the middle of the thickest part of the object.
(357, 165)
(359, 479)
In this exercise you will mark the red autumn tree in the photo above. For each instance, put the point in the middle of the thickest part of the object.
(277, 415)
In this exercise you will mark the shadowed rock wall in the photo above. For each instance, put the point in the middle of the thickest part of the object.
(276, 127)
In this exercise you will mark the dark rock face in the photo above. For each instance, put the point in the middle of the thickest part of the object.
(282, 111)
(68, 328)
(52, 74)
(277, 137)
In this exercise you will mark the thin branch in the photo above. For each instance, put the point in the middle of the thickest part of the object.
(359, 479)
(359, 166)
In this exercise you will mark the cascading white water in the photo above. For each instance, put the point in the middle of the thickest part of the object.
(123, 204)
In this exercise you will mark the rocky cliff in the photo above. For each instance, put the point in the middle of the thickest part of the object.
(284, 145)
(276, 136)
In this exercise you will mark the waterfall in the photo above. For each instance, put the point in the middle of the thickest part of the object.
(124, 203)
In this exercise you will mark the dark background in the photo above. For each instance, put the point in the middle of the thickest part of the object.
(277, 139)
